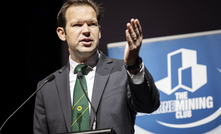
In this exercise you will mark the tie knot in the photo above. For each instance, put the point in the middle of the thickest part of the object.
(80, 68)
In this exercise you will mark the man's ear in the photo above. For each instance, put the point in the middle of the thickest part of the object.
(61, 33)
(99, 32)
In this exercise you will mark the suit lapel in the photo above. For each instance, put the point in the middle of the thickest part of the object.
(104, 68)
(63, 87)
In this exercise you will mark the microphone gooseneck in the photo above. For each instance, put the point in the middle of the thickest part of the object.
(48, 79)
(79, 76)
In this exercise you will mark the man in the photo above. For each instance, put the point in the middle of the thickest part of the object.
(117, 89)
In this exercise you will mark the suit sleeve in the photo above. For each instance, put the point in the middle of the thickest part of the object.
(144, 97)
(39, 122)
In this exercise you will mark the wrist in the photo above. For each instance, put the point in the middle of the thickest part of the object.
(134, 69)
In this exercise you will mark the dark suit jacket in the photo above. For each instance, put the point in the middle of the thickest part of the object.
(115, 98)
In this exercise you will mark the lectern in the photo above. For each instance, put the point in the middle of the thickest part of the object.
(98, 131)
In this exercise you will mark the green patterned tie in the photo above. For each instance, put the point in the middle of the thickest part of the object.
(80, 109)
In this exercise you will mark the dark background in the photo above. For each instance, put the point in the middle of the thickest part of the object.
(34, 50)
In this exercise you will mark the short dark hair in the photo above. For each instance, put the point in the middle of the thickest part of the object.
(61, 19)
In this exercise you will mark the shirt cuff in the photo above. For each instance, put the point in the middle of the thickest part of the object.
(139, 77)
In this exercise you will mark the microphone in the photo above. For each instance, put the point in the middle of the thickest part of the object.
(79, 76)
(48, 79)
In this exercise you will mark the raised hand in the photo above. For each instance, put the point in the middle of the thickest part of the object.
(134, 38)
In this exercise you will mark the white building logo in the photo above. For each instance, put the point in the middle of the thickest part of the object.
(184, 72)
(188, 65)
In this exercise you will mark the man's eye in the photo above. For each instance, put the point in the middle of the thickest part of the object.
(77, 25)
(92, 24)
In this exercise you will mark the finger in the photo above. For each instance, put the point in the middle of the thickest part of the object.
(136, 29)
(129, 39)
(138, 26)
(131, 32)
(132, 22)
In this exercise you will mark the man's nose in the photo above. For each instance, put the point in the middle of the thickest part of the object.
(86, 30)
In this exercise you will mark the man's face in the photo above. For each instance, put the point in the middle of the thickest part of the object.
(82, 31)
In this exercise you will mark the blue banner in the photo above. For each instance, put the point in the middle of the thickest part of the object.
(187, 72)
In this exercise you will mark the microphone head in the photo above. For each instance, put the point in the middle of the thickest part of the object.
(50, 78)
(79, 75)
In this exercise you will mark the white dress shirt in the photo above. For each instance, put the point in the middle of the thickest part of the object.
(90, 74)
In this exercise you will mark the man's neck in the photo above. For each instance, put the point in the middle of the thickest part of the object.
(91, 60)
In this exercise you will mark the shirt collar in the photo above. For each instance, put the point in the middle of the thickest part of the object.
(91, 63)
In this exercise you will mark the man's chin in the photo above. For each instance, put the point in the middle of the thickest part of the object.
(88, 52)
